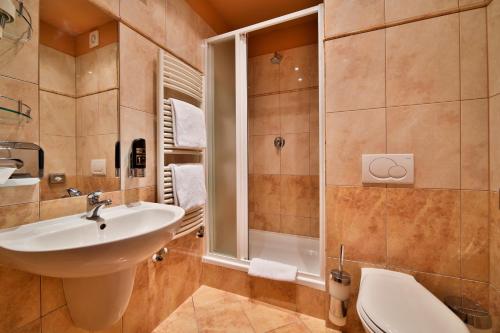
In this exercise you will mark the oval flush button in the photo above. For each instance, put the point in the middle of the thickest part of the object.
(380, 167)
(397, 171)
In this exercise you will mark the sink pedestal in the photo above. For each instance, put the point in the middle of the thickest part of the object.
(98, 302)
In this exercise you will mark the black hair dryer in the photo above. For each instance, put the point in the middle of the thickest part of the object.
(138, 158)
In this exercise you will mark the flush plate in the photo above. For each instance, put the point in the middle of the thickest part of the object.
(387, 169)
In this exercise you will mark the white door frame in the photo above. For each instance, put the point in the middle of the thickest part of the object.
(239, 35)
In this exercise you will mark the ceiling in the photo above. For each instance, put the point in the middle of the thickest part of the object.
(74, 17)
(227, 15)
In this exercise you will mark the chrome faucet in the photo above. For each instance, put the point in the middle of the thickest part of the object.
(94, 205)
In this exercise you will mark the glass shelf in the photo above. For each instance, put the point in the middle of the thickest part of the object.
(13, 110)
(22, 29)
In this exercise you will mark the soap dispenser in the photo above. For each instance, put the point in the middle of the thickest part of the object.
(339, 288)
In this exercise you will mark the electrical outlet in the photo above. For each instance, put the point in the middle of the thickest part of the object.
(94, 39)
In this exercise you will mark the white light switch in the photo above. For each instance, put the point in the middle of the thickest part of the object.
(387, 168)
(98, 167)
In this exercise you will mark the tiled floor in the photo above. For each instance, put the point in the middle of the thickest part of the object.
(213, 310)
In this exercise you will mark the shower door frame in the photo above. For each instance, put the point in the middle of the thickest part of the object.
(240, 262)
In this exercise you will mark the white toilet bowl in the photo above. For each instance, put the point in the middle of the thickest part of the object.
(393, 302)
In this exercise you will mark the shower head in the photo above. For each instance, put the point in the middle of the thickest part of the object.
(276, 58)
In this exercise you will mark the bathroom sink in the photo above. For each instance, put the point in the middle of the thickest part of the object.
(97, 259)
(74, 247)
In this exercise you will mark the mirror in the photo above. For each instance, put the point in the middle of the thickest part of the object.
(79, 120)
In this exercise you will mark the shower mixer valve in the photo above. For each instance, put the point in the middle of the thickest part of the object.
(279, 142)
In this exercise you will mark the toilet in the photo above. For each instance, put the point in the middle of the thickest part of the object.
(393, 302)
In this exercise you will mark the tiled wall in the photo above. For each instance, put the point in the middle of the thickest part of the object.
(283, 101)
(419, 87)
(78, 118)
(30, 303)
(493, 18)
(97, 116)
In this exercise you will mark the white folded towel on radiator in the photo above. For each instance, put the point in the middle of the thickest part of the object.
(189, 125)
(272, 270)
(188, 181)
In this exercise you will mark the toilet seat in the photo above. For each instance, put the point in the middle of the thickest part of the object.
(393, 302)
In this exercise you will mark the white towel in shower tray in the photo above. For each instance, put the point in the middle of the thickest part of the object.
(188, 181)
(189, 125)
(272, 270)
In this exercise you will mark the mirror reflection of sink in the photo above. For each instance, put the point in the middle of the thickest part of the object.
(96, 259)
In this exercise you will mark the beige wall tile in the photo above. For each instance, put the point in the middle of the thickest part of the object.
(20, 130)
(422, 65)
(417, 220)
(33, 327)
(295, 225)
(265, 115)
(267, 194)
(60, 321)
(19, 299)
(493, 19)
(51, 209)
(57, 71)
(57, 114)
(15, 215)
(346, 16)
(396, 10)
(495, 308)
(266, 156)
(359, 214)
(473, 54)
(432, 133)
(60, 154)
(468, 3)
(226, 279)
(265, 221)
(348, 135)
(296, 195)
(494, 143)
(96, 147)
(20, 61)
(298, 68)
(146, 16)
(477, 292)
(137, 71)
(97, 113)
(355, 72)
(494, 240)
(295, 154)
(266, 75)
(19, 194)
(474, 235)
(185, 32)
(110, 6)
(52, 294)
(440, 285)
(282, 294)
(97, 71)
(474, 144)
(133, 125)
(311, 301)
(294, 111)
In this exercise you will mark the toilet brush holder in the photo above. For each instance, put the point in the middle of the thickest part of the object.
(339, 287)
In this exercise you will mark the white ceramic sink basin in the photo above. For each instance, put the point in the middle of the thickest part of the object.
(96, 259)
(74, 247)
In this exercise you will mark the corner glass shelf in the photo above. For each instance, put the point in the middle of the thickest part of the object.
(13, 110)
(21, 30)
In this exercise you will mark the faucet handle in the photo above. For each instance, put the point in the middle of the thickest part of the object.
(93, 197)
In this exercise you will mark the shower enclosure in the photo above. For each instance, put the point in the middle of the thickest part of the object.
(265, 117)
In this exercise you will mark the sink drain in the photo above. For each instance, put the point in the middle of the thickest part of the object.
(102, 226)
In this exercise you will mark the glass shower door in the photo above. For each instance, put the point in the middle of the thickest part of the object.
(222, 157)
